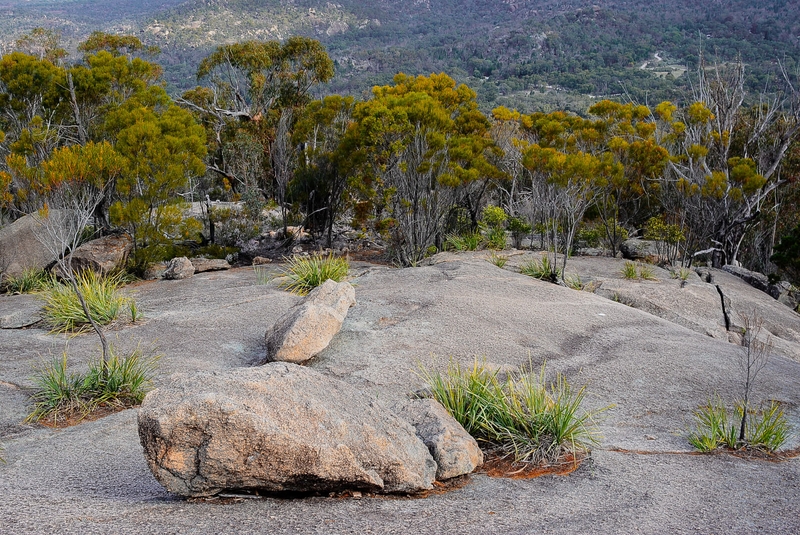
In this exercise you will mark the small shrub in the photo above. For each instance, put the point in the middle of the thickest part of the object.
(589, 236)
(464, 242)
(496, 239)
(767, 429)
(519, 228)
(303, 274)
(63, 311)
(494, 216)
(498, 260)
(540, 269)
(522, 416)
(60, 394)
(629, 271)
(29, 281)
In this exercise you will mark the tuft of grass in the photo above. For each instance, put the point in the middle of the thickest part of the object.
(60, 394)
(29, 281)
(522, 416)
(263, 274)
(498, 260)
(715, 427)
(646, 272)
(540, 269)
(303, 274)
(470, 241)
(629, 271)
(574, 281)
(681, 274)
(63, 311)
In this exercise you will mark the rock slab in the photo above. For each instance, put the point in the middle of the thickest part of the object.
(277, 428)
(455, 451)
(179, 268)
(308, 327)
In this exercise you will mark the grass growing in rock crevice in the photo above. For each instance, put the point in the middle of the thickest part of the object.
(29, 281)
(63, 311)
(522, 416)
(303, 274)
(61, 395)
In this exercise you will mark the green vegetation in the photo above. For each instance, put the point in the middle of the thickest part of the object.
(498, 260)
(63, 310)
(715, 427)
(522, 416)
(470, 241)
(303, 274)
(638, 271)
(30, 281)
(542, 269)
(120, 382)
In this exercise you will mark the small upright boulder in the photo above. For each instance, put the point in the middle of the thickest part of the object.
(278, 428)
(179, 268)
(308, 327)
(637, 249)
(455, 451)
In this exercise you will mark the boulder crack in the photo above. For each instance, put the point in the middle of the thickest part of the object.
(724, 310)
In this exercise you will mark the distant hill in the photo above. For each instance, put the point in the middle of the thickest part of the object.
(528, 53)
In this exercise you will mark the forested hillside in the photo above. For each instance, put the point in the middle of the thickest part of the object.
(523, 53)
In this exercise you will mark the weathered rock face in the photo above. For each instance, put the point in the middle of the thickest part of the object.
(308, 328)
(18, 311)
(279, 427)
(634, 249)
(179, 268)
(21, 248)
(102, 255)
(209, 264)
(455, 451)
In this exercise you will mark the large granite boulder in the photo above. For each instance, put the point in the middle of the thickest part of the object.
(22, 247)
(102, 255)
(278, 428)
(636, 249)
(308, 327)
(455, 451)
(179, 268)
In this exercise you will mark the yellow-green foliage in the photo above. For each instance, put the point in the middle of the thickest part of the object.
(64, 313)
(303, 274)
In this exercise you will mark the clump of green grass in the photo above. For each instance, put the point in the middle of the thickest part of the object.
(303, 274)
(61, 394)
(521, 416)
(63, 310)
(540, 269)
(574, 281)
(629, 271)
(646, 272)
(29, 281)
(715, 427)
(681, 274)
(263, 274)
(496, 239)
(470, 241)
(633, 271)
(498, 260)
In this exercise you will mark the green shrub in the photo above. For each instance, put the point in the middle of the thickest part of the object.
(519, 228)
(767, 429)
(463, 242)
(494, 216)
(496, 239)
(540, 269)
(667, 238)
(29, 281)
(303, 274)
(646, 272)
(60, 394)
(589, 236)
(521, 416)
(63, 311)
(681, 274)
